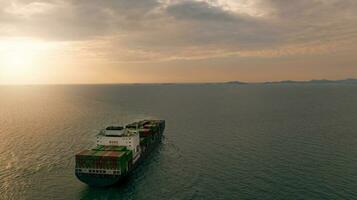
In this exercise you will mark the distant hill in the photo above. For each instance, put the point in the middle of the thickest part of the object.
(236, 82)
(319, 81)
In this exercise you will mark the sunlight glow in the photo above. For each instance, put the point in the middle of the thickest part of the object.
(19, 58)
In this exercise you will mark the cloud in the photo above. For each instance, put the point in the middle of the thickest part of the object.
(199, 11)
(150, 30)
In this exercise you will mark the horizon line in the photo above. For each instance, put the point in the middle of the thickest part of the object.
(168, 83)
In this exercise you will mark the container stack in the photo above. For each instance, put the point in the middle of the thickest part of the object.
(106, 164)
(105, 158)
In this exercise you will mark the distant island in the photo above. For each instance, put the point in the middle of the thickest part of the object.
(236, 82)
(319, 81)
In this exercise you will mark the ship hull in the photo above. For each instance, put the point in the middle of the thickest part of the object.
(100, 180)
(106, 180)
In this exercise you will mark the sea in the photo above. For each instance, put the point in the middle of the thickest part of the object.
(222, 141)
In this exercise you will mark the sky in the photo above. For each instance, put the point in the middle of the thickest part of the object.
(157, 41)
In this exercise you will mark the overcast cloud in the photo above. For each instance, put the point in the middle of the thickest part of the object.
(150, 30)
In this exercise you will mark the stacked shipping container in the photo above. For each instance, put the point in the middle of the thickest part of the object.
(105, 165)
(105, 157)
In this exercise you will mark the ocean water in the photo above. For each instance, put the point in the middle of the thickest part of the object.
(284, 141)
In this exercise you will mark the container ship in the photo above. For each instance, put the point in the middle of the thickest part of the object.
(118, 150)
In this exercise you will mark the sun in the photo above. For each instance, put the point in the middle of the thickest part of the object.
(19, 57)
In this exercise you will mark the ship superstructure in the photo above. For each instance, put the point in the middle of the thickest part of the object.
(117, 152)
